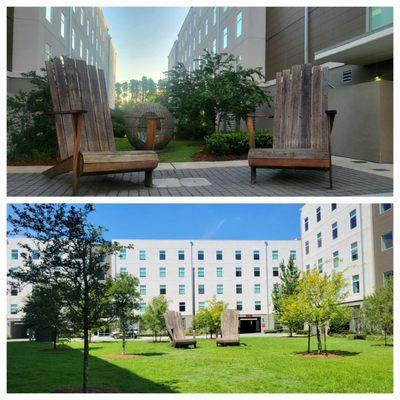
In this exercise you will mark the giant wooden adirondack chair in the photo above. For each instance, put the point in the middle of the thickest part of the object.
(83, 125)
(229, 328)
(176, 331)
(302, 123)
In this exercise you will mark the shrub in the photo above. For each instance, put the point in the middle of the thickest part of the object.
(227, 143)
(270, 331)
(301, 332)
(119, 128)
(357, 336)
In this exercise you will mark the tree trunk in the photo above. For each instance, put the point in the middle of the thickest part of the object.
(123, 342)
(55, 339)
(319, 339)
(290, 331)
(309, 339)
(385, 338)
(325, 340)
(85, 384)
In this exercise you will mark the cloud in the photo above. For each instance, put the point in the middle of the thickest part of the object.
(210, 234)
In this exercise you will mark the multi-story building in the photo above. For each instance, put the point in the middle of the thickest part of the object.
(35, 34)
(356, 43)
(354, 238)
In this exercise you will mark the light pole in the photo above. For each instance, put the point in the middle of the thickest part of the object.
(193, 289)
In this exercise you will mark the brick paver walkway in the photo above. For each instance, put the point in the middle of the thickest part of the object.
(229, 181)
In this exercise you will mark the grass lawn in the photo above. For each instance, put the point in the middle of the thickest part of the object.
(176, 151)
(258, 365)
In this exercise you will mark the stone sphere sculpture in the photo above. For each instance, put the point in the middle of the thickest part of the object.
(137, 124)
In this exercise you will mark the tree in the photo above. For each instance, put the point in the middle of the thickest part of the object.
(377, 311)
(153, 317)
(72, 249)
(210, 317)
(292, 313)
(45, 311)
(289, 275)
(124, 298)
(320, 297)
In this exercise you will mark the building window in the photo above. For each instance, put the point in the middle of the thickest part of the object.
(239, 305)
(238, 255)
(194, 44)
(214, 46)
(293, 254)
(142, 290)
(87, 56)
(335, 255)
(275, 254)
(353, 219)
(201, 289)
(181, 272)
(92, 36)
(87, 28)
(239, 289)
(257, 305)
(256, 255)
(387, 241)
(306, 224)
(142, 255)
(122, 271)
(354, 251)
(225, 38)
(142, 306)
(334, 230)
(220, 289)
(182, 306)
(14, 254)
(199, 36)
(387, 275)
(181, 289)
(380, 17)
(35, 254)
(14, 291)
(73, 39)
(219, 272)
(206, 27)
(14, 308)
(356, 284)
(122, 254)
(200, 272)
(202, 305)
(62, 26)
(162, 255)
(257, 288)
(308, 268)
(318, 214)
(181, 255)
(384, 207)
(219, 255)
(333, 206)
(238, 271)
(80, 49)
(163, 289)
(163, 272)
(307, 247)
(142, 272)
(200, 255)
(275, 271)
(214, 15)
(319, 240)
(320, 265)
(82, 16)
(239, 18)
(47, 52)
(48, 14)
(256, 271)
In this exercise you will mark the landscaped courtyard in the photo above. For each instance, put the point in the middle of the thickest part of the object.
(269, 365)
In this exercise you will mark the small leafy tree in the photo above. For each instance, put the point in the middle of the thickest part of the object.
(377, 311)
(71, 251)
(153, 317)
(124, 298)
(45, 311)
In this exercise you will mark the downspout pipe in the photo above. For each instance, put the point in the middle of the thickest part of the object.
(193, 285)
(267, 281)
(305, 35)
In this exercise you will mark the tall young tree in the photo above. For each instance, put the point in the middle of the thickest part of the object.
(73, 249)
(124, 297)
(153, 317)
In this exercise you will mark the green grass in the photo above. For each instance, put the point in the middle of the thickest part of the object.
(176, 151)
(258, 365)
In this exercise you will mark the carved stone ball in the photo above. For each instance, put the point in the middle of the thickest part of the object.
(137, 124)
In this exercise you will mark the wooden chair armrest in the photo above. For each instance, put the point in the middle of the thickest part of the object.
(250, 130)
(69, 112)
(151, 132)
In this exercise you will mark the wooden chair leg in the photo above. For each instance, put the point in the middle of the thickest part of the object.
(148, 178)
(330, 178)
(253, 175)
(60, 168)
(75, 180)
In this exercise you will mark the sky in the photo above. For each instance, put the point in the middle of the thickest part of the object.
(199, 221)
(143, 38)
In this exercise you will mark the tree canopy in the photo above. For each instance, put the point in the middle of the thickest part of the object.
(153, 317)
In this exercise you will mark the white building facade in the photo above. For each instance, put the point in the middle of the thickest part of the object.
(35, 34)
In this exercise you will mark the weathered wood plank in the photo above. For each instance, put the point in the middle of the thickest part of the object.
(324, 106)
(305, 107)
(316, 98)
(286, 116)
(277, 133)
(118, 156)
(295, 99)
(288, 153)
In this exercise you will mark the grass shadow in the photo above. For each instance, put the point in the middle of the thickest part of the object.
(389, 345)
(339, 353)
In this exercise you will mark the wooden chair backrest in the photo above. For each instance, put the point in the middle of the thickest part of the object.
(230, 324)
(74, 85)
(174, 325)
(301, 100)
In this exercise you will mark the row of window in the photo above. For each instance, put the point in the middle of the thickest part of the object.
(352, 217)
(201, 289)
(200, 272)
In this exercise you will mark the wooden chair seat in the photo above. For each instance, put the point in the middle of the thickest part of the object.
(229, 328)
(176, 331)
(228, 341)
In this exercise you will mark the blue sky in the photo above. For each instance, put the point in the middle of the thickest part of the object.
(199, 221)
(143, 38)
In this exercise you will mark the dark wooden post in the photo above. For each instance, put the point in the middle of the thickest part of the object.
(151, 132)
(331, 114)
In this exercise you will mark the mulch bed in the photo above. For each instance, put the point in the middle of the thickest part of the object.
(321, 355)
(78, 389)
(204, 155)
(41, 161)
(122, 356)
